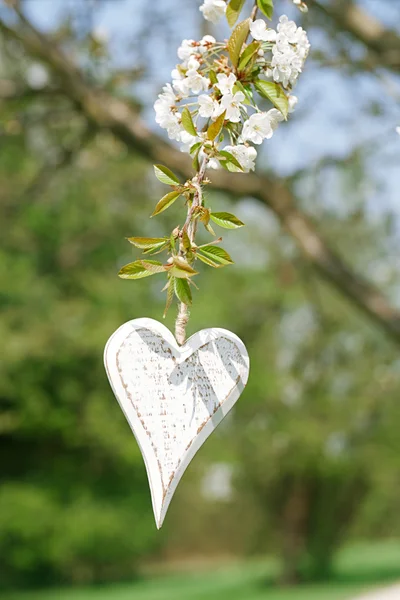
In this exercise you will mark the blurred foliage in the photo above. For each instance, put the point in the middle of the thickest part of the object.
(313, 444)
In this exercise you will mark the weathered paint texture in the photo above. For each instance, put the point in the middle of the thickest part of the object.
(173, 397)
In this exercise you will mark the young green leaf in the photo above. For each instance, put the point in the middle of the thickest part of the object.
(195, 161)
(165, 175)
(226, 220)
(215, 254)
(216, 127)
(274, 93)
(156, 249)
(229, 158)
(182, 291)
(187, 246)
(153, 266)
(209, 228)
(180, 268)
(239, 87)
(137, 270)
(165, 202)
(233, 11)
(147, 243)
(237, 39)
(248, 54)
(195, 147)
(207, 261)
(187, 122)
(266, 7)
(213, 76)
(170, 295)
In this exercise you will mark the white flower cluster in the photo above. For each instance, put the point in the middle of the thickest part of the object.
(205, 86)
(213, 10)
(289, 51)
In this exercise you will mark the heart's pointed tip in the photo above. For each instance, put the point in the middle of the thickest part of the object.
(159, 522)
(159, 516)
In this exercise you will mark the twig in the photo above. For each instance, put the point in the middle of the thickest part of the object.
(190, 227)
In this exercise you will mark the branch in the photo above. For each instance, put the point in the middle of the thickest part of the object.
(383, 43)
(107, 112)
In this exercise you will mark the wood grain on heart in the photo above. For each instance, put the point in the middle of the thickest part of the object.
(173, 396)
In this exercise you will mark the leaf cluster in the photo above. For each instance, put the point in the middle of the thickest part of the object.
(182, 251)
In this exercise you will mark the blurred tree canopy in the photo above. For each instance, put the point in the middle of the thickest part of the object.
(313, 444)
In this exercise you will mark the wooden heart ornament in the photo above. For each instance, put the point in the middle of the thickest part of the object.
(173, 396)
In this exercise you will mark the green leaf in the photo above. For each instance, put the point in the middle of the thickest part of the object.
(187, 122)
(233, 11)
(170, 295)
(226, 220)
(274, 93)
(248, 54)
(215, 254)
(164, 175)
(180, 268)
(213, 76)
(239, 87)
(137, 270)
(187, 246)
(156, 249)
(209, 228)
(147, 243)
(237, 40)
(153, 266)
(182, 291)
(165, 202)
(216, 127)
(195, 147)
(195, 161)
(208, 261)
(229, 158)
(266, 7)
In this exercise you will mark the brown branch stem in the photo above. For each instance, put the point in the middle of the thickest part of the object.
(190, 226)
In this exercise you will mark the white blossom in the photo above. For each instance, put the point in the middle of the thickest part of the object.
(275, 117)
(261, 126)
(289, 52)
(164, 104)
(213, 163)
(208, 107)
(398, 130)
(232, 103)
(246, 156)
(259, 31)
(180, 83)
(187, 140)
(173, 127)
(289, 47)
(194, 80)
(213, 10)
(206, 42)
(186, 49)
(166, 113)
(225, 83)
(288, 29)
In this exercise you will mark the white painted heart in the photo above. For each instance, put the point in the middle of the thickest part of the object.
(173, 396)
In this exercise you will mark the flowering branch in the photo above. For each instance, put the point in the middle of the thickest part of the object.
(213, 100)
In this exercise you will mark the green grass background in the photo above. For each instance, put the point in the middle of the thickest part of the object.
(358, 569)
